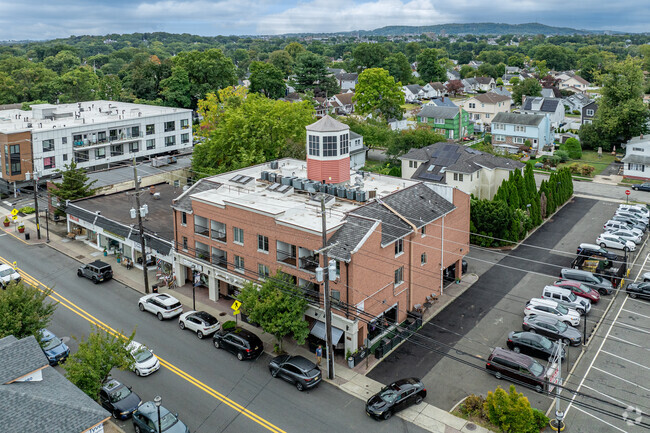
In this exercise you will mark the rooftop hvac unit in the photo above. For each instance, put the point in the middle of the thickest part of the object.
(360, 195)
(272, 177)
(278, 178)
(350, 194)
(331, 189)
(265, 175)
(274, 165)
(340, 191)
(287, 180)
(311, 186)
(372, 194)
(298, 183)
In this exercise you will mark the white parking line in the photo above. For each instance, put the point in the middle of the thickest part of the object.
(614, 337)
(621, 379)
(633, 327)
(596, 356)
(625, 359)
(601, 420)
(606, 395)
(638, 314)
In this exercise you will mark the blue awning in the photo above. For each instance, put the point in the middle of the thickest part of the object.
(318, 331)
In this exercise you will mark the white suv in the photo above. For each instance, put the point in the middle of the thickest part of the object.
(567, 298)
(144, 361)
(162, 305)
(641, 210)
(612, 225)
(549, 308)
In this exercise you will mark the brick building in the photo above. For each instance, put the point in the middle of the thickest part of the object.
(390, 237)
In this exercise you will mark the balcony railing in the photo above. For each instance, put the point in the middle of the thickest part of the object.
(219, 235)
(287, 258)
(203, 255)
(220, 261)
(312, 293)
(111, 139)
(201, 230)
(309, 263)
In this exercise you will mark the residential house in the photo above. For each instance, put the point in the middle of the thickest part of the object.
(485, 84)
(453, 123)
(242, 226)
(322, 107)
(35, 397)
(475, 64)
(501, 90)
(508, 77)
(470, 170)
(442, 102)
(636, 163)
(412, 92)
(551, 92)
(470, 85)
(484, 106)
(575, 81)
(433, 90)
(516, 128)
(342, 103)
(576, 101)
(545, 106)
(347, 80)
(512, 69)
(452, 74)
(357, 151)
(335, 71)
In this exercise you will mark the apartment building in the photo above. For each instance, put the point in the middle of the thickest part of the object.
(95, 134)
(390, 237)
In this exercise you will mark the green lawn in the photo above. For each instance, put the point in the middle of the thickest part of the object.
(409, 107)
(591, 157)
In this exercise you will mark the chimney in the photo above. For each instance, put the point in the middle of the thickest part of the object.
(523, 99)
(443, 99)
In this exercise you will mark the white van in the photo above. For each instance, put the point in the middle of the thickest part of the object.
(567, 298)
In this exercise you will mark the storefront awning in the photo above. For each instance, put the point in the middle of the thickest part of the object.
(318, 331)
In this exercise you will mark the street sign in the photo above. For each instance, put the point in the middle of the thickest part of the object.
(14, 211)
(235, 305)
(627, 192)
(236, 312)
(15, 217)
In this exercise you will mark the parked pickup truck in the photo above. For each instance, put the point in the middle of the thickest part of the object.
(613, 270)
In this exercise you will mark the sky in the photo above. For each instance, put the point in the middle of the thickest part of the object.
(47, 19)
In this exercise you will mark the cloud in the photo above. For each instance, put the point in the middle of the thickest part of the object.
(342, 15)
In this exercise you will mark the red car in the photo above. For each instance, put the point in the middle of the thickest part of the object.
(579, 289)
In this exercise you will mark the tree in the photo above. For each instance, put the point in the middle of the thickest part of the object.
(556, 56)
(94, 359)
(243, 129)
(491, 221)
(621, 112)
(277, 306)
(267, 80)
(454, 87)
(528, 87)
(499, 81)
(294, 49)
(9, 92)
(176, 88)
(465, 57)
(368, 56)
(592, 138)
(62, 62)
(511, 412)
(74, 184)
(110, 88)
(644, 50)
(311, 74)
(412, 50)
(80, 84)
(398, 67)
(429, 68)
(208, 71)
(408, 139)
(466, 71)
(282, 60)
(24, 310)
(572, 146)
(516, 60)
(378, 94)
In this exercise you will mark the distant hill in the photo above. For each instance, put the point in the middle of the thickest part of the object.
(478, 29)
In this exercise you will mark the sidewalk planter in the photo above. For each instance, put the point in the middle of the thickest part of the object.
(6, 222)
(21, 229)
(359, 356)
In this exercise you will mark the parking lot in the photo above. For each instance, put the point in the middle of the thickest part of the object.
(449, 352)
(617, 372)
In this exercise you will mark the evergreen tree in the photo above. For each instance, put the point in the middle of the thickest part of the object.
(74, 184)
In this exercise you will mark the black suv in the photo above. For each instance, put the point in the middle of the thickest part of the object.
(297, 370)
(240, 342)
(118, 399)
(395, 397)
(96, 271)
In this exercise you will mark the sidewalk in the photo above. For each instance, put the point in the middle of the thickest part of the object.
(352, 381)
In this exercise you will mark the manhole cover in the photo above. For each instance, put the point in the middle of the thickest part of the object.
(222, 314)
(470, 426)
(80, 257)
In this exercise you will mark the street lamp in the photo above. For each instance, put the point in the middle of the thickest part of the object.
(194, 287)
(158, 401)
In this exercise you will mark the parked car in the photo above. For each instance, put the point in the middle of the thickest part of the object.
(240, 342)
(553, 329)
(200, 322)
(628, 213)
(638, 290)
(641, 186)
(596, 282)
(579, 289)
(7, 275)
(96, 271)
(145, 420)
(589, 250)
(395, 397)
(616, 225)
(55, 350)
(549, 308)
(567, 298)
(298, 370)
(522, 368)
(631, 222)
(634, 208)
(610, 241)
(118, 399)
(532, 344)
(627, 235)
(164, 306)
(144, 361)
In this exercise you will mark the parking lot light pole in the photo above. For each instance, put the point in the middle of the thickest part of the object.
(557, 424)
(158, 401)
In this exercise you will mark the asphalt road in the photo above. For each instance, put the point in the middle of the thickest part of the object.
(205, 378)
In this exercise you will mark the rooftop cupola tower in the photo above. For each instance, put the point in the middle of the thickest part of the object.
(328, 151)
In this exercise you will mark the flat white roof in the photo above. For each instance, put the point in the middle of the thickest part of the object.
(71, 115)
(297, 207)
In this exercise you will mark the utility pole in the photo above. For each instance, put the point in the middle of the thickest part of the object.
(558, 424)
(141, 228)
(38, 225)
(326, 294)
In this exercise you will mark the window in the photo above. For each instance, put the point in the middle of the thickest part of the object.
(477, 116)
(49, 162)
(184, 243)
(184, 218)
(590, 112)
(458, 177)
(487, 115)
(423, 230)
(344, 144)
(15, 167)
(14, 149)
(314, 144)
(150, 129)
(117, 149)
(101, 137)
(185, 123)
(329, 145)
(185, 138)
(48, 145)
(630, 166)
(239, 263)
(399, 275)
(100, 153)
(263, 271)
(81, 156)
(65, 156)
(133, 146)
(478, 174)
(170, 140)
(423, 259)
(262, 243)
(239, 235)
(112, 136)
(439, 121)
(135, 131)
(472, 105)
(336, 296)
(170, 126)
(399, 247)
(499, 138)
(64, 140)
(498, 126)
(520, 128)
(151, 144)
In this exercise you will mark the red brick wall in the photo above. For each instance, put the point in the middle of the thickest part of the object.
(338, 170)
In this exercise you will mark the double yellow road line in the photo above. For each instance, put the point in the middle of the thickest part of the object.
(92, 319)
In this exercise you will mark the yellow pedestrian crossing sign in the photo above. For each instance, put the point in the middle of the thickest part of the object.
(14, 211)
(15, 265)
(235, 306)
(15, 217)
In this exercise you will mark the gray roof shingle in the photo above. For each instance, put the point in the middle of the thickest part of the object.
(435, 112)
(549, 105)
(327, 124)
(184, 202)
(518, 119)
(349, 237)
(19, 358)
